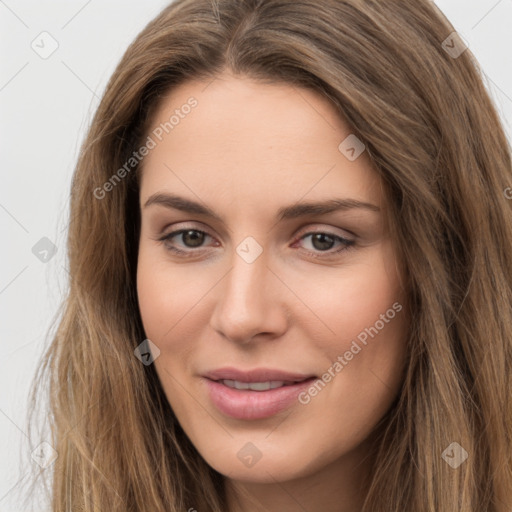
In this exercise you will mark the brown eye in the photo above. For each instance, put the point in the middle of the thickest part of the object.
(192, 237)
(184, 240)
(324, 242)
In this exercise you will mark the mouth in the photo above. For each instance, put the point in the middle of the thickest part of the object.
(254, 394)
(257, 375)
(257, 386)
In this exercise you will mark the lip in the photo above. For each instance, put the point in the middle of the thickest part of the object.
(249, 404)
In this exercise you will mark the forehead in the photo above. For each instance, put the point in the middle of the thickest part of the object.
(238, 136)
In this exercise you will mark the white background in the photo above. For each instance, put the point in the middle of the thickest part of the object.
(45, 108)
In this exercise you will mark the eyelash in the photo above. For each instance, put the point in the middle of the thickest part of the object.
(347, 244)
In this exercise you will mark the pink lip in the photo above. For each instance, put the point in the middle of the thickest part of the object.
(249, 404)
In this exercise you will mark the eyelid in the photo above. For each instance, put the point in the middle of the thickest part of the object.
(203, 227)
(322, 228)
(301, 232)
(170, 229)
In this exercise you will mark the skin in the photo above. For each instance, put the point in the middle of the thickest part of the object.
(246, 150)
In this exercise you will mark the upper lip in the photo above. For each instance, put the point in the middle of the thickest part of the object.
(256, 375)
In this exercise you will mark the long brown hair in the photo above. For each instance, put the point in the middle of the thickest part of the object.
(435, 138)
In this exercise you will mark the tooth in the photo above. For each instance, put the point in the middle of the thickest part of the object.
(255, 386)
(259, 386)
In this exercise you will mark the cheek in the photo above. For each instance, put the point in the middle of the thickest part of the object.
(158, 306)
(166, 303)
(166, 297)
(365, 356)
(364, 296)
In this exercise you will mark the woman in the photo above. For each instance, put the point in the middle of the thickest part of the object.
(291, 282)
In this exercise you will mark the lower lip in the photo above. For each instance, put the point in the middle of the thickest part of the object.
(254, 405)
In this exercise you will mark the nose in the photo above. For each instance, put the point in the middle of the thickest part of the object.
(249, 302)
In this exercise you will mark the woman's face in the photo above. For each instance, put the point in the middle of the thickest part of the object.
(277, 272)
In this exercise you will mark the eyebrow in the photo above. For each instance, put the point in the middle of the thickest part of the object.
(287, 212)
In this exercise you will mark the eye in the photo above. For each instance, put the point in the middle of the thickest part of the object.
(190, 238)
(321, 242)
